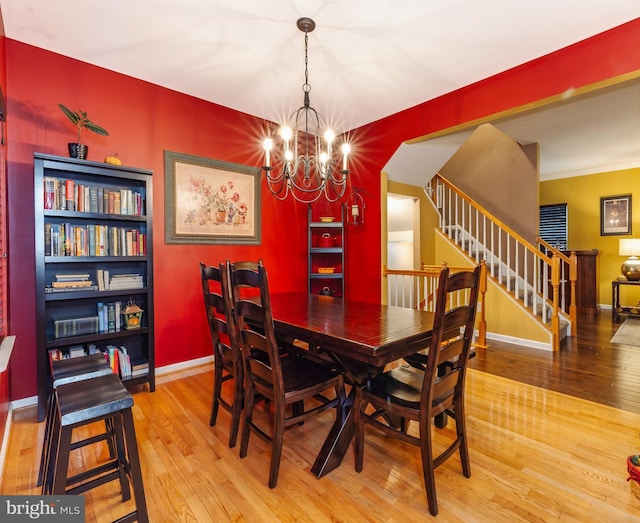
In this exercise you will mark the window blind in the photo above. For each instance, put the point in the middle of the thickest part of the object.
(553, 225)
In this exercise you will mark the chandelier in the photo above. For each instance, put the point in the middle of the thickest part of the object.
(309, 164)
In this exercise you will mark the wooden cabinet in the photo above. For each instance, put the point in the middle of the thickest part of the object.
(93, 250)
(326, 254)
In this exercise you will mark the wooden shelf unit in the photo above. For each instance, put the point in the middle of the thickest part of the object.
(132, 254)
(326, 249)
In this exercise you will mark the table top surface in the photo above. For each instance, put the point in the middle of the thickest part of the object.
(371, 333)
(626, 282)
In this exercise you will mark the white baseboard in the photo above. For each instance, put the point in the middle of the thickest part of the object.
(520, 341)
(160, 371)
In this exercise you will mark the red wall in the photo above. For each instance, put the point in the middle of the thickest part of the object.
(144, 119)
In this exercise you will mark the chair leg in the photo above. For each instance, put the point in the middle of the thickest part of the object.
(428, 467)
(61, 463)
(217, 390)
(123, 465)
(297, 409)
(461, 432)
(135, 472)
(358, 422)
(248, 415)
(238, 399)
(52, 454)
(276, 444)
(46, 441)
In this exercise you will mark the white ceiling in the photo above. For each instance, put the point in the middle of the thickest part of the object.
(367, 58)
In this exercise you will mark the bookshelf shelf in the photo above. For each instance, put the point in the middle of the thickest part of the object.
(82, 208)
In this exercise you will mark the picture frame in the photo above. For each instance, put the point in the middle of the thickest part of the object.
(211, 201)
(615, 215)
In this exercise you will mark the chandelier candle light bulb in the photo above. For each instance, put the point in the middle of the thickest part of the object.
(268, 145)
(346, 149)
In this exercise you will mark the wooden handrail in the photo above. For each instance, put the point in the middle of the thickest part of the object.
(493, 219)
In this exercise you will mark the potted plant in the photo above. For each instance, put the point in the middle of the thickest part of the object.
(80, 120)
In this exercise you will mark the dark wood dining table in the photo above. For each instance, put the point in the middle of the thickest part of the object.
(362, 337)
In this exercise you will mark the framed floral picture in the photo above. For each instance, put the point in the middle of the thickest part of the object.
(210, 201)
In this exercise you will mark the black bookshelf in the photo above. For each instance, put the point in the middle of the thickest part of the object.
(91, 240)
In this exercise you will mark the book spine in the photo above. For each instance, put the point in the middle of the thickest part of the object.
(75, 326)
(62, 195)
(87, 198)
(117, 203)
(69, 195)
(111, 316)
(118, 315)
(80, 198)
(92, 239)
(93, 199)
(49, 193)
(54, 290)
(47, 239)
(100, 199)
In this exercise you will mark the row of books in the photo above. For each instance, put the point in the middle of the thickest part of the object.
(83, 281)
(66, 239)
(109, 316)
(69, 195)
(118, 358)
(72, 282)
(118, 282)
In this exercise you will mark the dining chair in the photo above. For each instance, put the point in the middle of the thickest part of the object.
(227, 361)
(421, 395)
(285, 379)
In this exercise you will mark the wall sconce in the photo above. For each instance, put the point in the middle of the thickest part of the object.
(631, 267)
(355, 207)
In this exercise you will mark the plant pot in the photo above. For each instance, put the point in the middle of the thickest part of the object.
(78, 150)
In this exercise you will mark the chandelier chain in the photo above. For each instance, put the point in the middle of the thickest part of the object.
(306, 86)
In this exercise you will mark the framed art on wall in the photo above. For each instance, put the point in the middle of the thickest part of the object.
(615, 215)
(210, 201)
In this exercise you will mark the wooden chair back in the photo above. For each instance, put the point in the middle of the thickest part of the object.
(250, 296)
(456, 305)
(228, 363)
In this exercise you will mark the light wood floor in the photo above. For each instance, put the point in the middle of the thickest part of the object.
(536, 455)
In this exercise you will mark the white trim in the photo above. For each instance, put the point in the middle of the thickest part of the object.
(520, 341)
(160, 371)
(183, 365)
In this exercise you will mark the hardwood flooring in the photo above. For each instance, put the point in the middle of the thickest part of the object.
(587, 365)
(554, 450)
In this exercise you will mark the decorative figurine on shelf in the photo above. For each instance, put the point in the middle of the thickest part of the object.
(132, 316)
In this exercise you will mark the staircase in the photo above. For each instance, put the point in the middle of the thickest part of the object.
(534, 275)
